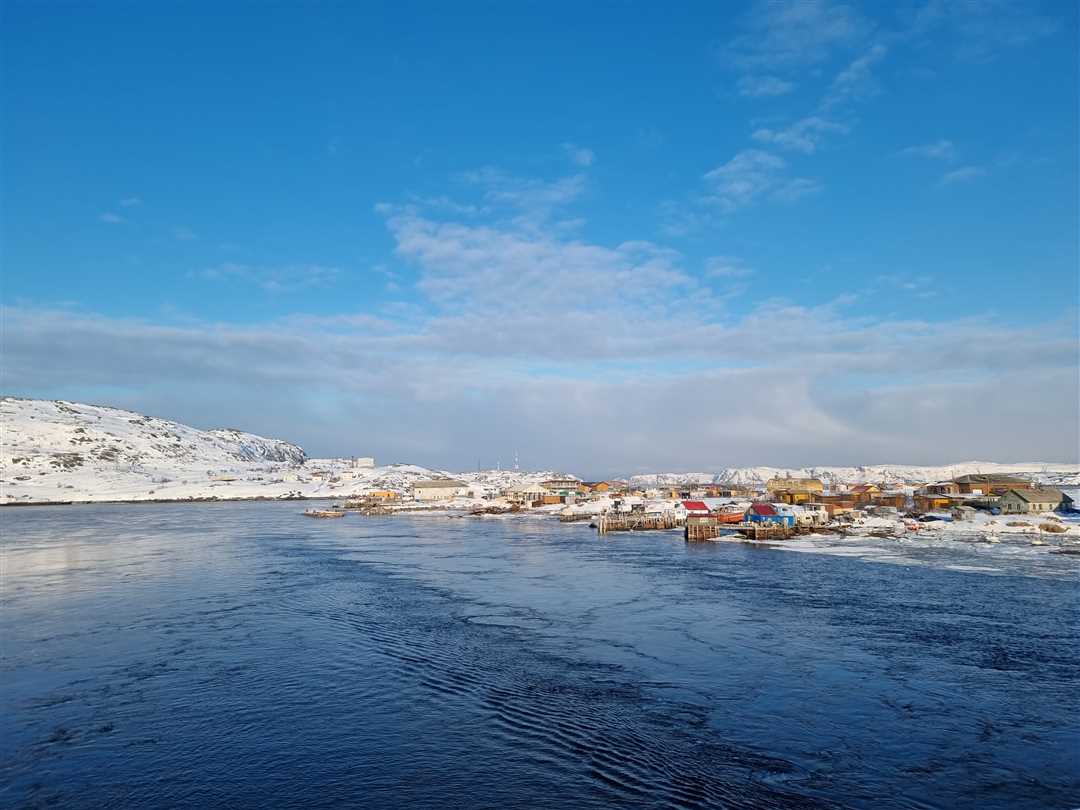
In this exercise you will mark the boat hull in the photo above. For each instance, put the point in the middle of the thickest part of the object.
(730, 517)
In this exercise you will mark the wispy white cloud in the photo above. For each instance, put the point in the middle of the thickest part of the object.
(182, 233)
(805, 135)
(940, 149)
(920, 285)
(680, 218)
(579, 155)
(752, 175)
(727, 267)
(965, 174)
(756, 86)
(856, 82)
(282, 279)
(110, 218)
(793, 34)
(508, 269)
(448, 205)
(798, 187)
(745, 178)
(130, 202)
(982, 29)
(535, 199)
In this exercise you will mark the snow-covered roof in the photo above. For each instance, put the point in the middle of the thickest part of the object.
(1039, 495)
(985, 478)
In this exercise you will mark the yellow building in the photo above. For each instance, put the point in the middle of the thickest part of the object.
(795, 496)
(865, 492)
(812, 485)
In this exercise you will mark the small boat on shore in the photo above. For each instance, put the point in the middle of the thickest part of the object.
(324, 513)
(727, 515)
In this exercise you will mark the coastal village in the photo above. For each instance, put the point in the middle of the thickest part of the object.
(68, 453)
(782, 507)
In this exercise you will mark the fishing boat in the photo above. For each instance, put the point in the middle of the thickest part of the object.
(324, 513)
(730, 514)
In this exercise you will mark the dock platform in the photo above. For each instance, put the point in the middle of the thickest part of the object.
(700, 528)
(637, 522)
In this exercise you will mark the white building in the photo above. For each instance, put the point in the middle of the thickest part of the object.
(810, 514)
(527, 494)
(439, 489)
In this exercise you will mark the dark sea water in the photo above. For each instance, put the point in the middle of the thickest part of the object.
(242, 655)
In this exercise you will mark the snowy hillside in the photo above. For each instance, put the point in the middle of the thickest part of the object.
(897, 474)
(65, 451)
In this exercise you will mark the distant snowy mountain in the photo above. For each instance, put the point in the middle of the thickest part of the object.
(898, 474)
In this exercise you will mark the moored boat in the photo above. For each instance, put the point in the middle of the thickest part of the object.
(730, 515)
(324, 513)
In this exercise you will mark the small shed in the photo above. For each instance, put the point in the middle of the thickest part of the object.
(962, 513)
(696, 507)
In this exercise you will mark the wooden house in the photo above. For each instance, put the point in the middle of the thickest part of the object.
(942, 488)
(563, 486)
(812, 485)
(990, 484)
(1033, 501)
(767, 513)
(864, 493)
(925, 502)
(895, 499)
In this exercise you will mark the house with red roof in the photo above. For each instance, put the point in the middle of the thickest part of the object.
(767, 513)
(696, 507)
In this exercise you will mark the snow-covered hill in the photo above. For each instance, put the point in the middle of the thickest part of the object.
(87, 433)
(1059, 474)
(66, 451)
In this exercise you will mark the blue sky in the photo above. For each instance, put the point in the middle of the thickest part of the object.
(805, 232)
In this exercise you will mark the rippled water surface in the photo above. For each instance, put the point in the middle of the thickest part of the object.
(243, 655)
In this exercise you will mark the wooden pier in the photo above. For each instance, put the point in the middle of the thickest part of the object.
(702, 527)
(637, 522)
(369, 508)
